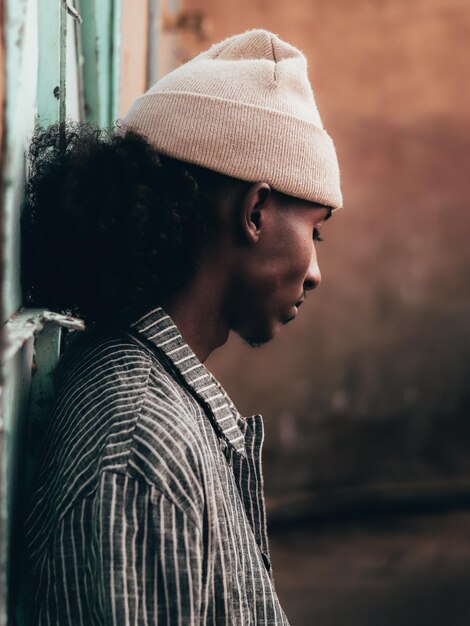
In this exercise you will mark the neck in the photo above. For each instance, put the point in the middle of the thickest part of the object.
(198, 312)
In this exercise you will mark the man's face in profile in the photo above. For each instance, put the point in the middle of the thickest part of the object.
(278, 269)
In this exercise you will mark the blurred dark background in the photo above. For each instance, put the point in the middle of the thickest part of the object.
(366, 397)
(369, 386)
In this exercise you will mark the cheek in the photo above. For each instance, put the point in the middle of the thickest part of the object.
(301, 262)
(281, 269)
(288, 270)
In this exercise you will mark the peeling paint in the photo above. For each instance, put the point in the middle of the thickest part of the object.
(73, 12)
(27, 323)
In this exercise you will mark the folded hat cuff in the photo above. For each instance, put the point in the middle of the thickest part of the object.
(244, 141)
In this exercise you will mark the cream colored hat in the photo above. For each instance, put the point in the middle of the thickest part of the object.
(244, 108)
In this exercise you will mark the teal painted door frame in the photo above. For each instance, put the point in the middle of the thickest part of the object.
(101, 42)
(62, 61)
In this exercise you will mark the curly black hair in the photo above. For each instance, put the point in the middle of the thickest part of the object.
(110, 227)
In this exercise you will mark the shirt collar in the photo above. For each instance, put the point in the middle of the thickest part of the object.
(157, 327)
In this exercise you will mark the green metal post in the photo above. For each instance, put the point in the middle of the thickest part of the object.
(13, 433)
(49, 62)
(21, 63)
(42, 61)
(100, 45)
(116, 61)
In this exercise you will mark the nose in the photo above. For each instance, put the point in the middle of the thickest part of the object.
(313, 277)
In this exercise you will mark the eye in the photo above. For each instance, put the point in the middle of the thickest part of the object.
(316, 235)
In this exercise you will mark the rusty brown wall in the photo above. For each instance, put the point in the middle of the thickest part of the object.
(134, 30)
(371, 382)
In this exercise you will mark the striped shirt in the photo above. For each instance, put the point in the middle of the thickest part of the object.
(148, 506)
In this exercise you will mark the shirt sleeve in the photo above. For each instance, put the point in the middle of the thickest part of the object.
(149, 556)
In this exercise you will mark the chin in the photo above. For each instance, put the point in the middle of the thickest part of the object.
(255, 343)
(256, 338)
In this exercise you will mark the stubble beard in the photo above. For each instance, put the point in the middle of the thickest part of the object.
(256, 339)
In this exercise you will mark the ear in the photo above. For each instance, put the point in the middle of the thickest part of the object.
(253, 208)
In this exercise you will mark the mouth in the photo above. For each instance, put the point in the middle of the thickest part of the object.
(299, 302)
(289, 319)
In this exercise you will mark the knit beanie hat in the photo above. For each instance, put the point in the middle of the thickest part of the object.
(244, 108)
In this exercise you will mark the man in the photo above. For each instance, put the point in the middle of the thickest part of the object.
(197, 218)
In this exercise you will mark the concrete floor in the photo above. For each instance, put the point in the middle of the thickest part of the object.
(405, 571)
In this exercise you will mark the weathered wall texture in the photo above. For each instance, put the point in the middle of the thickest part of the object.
(134, 30)
(370, 384)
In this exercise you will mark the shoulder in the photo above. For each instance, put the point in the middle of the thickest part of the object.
(120, 408)
(100, 362)
(99, 385)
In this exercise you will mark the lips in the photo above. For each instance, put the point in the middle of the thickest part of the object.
(296, 308)
(289, 319)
